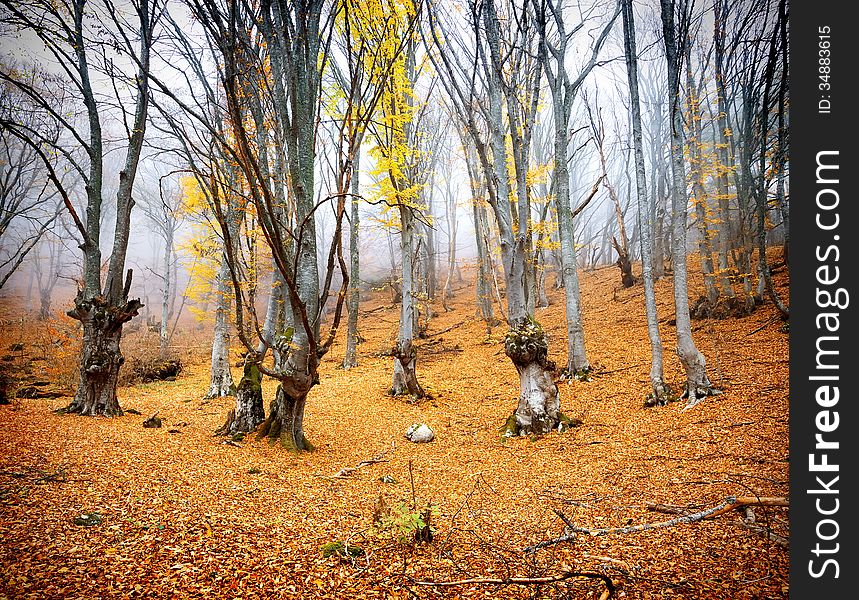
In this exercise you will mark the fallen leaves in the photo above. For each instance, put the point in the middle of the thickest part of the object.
(186, 516)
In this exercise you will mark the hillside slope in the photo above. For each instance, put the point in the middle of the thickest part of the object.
(185, 515)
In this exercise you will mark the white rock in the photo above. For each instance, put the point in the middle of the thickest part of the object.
(419, 433)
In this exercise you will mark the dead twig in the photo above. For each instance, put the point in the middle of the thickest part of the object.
(729, 504)
(601, 373)
(563, 517)
(445, 330)
(346, 472)
(608, 593)
(767, 534)
(768, 322)
(671, 509)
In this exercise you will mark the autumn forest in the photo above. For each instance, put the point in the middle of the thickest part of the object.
(394, 299)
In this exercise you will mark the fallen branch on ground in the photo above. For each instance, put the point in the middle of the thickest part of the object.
(452, 327)
(764, 326)
(601, 373)
(730, 503)
(346, 472)
(608, 593)
(749, 522)
(671, 509)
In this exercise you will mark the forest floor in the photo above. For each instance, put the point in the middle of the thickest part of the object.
(184, 515)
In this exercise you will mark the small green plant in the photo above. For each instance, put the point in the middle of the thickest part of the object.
(406, 524)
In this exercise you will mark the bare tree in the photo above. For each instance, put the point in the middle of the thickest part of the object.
(660, 393)
(268, 64)
(163, 210)
(69, 36)
(675, 22)
(485, 66)
(28, 199)
(554, 49)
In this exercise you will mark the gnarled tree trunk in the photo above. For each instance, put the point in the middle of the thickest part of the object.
(101, 356)
(249, 411)
(538, 411)
(285, 422)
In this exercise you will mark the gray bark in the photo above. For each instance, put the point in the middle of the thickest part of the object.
(450, 218)
(103, 310)
(163, 334)
(660, 392)
(563, 93)
(697, 383)
(725, 160)
(350, 360)
(248, 412)
(481, 232)
(700, 195)
(404, 380)
(513, 254)
(274, 322)
(293, 37)
(221, 380)
(761, 188)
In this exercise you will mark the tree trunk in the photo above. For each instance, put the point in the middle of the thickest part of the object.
(725, 163)
(450, 217)
(538, 411)
(709, 303)
(577, 360)
(660, 393)
(542, 298)
(697, 383)
(535, 412)
(221, 382)
(431, 266)
(103, 310)
(481, 227)
(249, 411)
(273, 311)
(660, 231)
(44, 305)
(101, 356)
(761, 187)
(350, 360)
(404, 380)
(627, 279)
(285, 423)
(163, 334)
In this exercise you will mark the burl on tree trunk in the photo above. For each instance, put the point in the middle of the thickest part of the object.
(249, 411)
(101, 357)
(405, 380)
(627, 279)
(538, 411)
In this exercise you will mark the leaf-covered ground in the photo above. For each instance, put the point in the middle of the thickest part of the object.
(183, 515)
